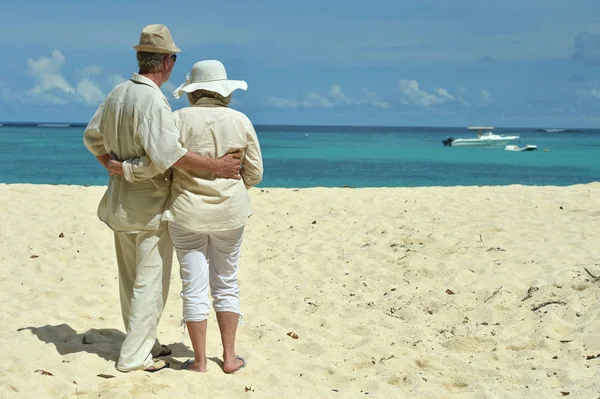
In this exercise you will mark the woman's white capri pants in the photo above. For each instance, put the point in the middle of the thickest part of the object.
(208, 258)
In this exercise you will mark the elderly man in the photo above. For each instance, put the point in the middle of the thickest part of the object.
(135, 120)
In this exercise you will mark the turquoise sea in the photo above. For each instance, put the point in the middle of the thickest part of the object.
(335, 156)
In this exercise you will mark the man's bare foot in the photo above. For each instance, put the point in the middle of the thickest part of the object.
(233, 365)
(193, 365)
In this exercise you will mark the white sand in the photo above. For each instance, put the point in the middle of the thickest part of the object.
(393, 293)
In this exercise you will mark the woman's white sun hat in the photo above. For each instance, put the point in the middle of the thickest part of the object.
(209, 75)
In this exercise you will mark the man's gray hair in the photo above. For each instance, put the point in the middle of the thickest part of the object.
(194, 96)
(150, 62)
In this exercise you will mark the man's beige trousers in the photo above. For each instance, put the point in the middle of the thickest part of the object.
(145, 260)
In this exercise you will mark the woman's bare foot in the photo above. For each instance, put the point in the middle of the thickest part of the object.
(193, 365)
(233, 365)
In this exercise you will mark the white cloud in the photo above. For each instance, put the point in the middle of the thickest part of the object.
(463, 96)
(89, 92)
(370, 98)
(98, 72)
(278, 102)
(338, 95)
(444, 93)
(115, 79)
(312, 100)
(91, 70)
(413, 94)
(44, 98)
(45, 72)
(316, 99)
(50, 86)
(410, 90)
(334, 98)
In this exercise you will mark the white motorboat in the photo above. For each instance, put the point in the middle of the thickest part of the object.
(513, 147)
(485, 138)
(520, 146)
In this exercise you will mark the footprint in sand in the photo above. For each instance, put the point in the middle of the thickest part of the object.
(456, 386)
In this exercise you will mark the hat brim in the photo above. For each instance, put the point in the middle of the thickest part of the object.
(223, 87)
(160, 50)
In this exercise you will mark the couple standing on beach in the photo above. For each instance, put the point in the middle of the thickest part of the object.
(177, 179)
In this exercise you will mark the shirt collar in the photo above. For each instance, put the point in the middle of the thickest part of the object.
(209, 102)
(137, 78)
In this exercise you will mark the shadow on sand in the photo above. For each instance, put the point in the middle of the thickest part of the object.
(105, 343)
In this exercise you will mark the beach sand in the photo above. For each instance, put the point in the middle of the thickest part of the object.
(458, 292)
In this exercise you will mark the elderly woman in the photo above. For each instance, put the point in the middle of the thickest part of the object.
(207, 215)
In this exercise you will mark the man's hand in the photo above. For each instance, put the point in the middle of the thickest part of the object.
(228, 166)
(114, 166)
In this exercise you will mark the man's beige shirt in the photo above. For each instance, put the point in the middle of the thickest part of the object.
(199, 202)
(135, 120)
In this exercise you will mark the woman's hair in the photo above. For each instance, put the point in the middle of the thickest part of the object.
(150, 62)
(196, 95)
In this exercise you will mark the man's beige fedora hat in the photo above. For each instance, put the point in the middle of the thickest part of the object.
(156, 38)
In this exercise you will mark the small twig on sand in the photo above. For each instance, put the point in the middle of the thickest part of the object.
(493, 294)
(480, 238)
(591, 275)
(530, 291)
(383, 359)
(541, 305)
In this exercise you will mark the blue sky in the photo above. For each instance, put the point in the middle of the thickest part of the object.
(529, 63)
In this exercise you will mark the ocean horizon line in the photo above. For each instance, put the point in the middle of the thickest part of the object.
(312, 126)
